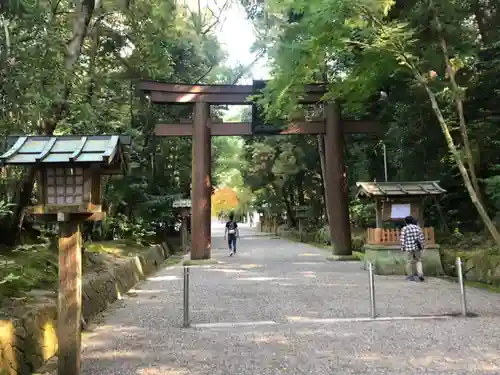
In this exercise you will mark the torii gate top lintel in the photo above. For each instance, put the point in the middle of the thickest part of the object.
(180, 93)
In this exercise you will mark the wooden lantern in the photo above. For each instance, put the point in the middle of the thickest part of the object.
(71, 171)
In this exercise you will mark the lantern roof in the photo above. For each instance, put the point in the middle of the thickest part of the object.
(104, 150)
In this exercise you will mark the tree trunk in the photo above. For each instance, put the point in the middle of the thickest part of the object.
(469, 157)
(95, 37)
(289, 211)
(22, 200)
(322, 161)
(461, 167)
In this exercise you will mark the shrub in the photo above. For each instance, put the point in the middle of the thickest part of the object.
(357, 243)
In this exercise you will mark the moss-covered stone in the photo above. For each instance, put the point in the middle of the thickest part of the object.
(389, 260)
(479, 265)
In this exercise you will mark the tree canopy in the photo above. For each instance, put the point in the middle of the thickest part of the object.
(426, 70)
(418, 67)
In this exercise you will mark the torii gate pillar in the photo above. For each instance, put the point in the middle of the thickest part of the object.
(201, 184)
(336, 182)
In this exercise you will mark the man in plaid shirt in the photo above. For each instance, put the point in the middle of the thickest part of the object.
(412, 241)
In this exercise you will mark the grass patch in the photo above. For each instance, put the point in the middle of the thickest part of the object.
(173, 260)
(478, 285)
(27, 267)
(30, 267)
(120, 248)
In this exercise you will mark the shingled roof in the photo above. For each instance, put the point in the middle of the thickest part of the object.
(399, 189)
(100, 149)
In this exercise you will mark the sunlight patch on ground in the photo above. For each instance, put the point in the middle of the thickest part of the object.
(307, 263)
(250, 266)
(108, 354)
(234, 324)
(227, 270)
(261, 278)
(266, 339)
(309, 255)
(309, 274)
(161, 371)
(378, 319)
(322, 331)
(163, 278)
(341, 285)
(146, 291)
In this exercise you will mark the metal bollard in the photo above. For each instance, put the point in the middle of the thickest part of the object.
(186, 323)
(371, 282)
(462, 286)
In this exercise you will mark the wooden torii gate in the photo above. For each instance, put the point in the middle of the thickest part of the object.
(202, 128)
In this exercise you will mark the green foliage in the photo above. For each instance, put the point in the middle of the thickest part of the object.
(5, 208)
(48, 84)
(362, 214)
(374, 57)
(122, 248)
(493, 190)
(323, 236)
(121, 227)
(26, 268)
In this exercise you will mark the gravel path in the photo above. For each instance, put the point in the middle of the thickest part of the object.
(287, 289)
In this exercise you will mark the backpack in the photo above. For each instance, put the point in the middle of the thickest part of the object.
(232, 227)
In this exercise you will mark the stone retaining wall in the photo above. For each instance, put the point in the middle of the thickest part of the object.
(26, 343)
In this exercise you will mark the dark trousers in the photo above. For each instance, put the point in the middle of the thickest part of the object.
(231, 241)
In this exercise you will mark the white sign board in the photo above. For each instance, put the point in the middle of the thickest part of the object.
(182, 203)
(400, 211)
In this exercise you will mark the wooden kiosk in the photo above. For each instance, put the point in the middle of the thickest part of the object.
(70, 176)
(393, 202)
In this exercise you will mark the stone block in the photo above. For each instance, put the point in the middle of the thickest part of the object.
(389, 260)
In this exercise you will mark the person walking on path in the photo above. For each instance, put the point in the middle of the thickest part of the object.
(232, 232)
(412, 242)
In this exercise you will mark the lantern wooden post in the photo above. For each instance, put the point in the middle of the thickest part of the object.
(69, 302)
(70, 190)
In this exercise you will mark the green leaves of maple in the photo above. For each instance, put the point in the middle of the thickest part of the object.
(362, 48)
